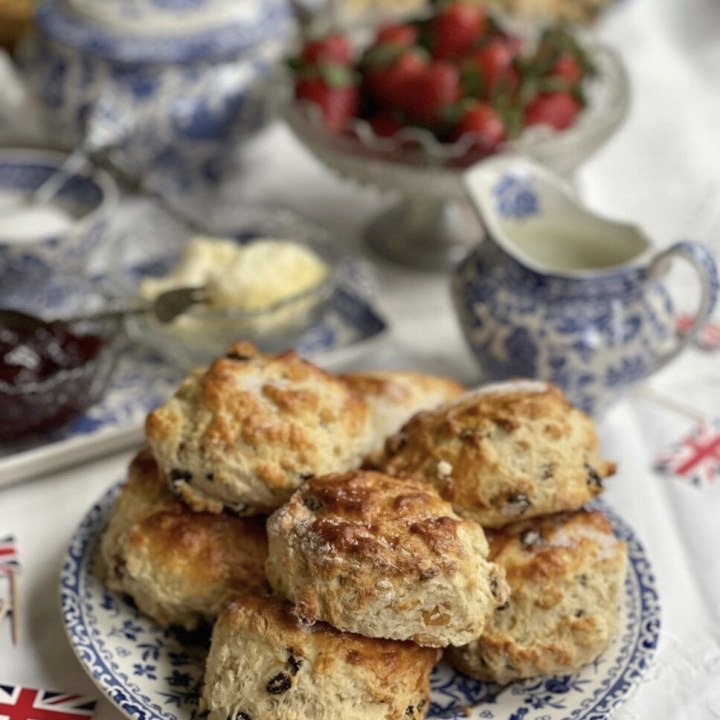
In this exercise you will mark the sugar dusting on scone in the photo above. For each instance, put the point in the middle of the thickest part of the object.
(243, 434)
(264, 664)
(566, 575)
(503, 453)
(179, 566)
(382, 557)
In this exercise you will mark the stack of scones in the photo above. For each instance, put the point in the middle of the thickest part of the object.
(343, 533)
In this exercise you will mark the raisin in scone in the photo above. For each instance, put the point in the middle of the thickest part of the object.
(503, 452)
(382, 557)
(264, 664)
(566, 575)
(395, 396)
(179, 566)
(243, 434)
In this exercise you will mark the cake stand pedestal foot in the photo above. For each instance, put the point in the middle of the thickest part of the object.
(425, 233)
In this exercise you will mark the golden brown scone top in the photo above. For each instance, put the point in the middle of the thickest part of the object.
(566, 575)
(383, 557)
(178, 565)
(401, 527)
(503, 452)
(244, 433)
(555, 546)
(202, 548)
(394, 396)
(286, 668)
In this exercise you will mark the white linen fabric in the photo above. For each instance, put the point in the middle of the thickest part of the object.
(662, 171)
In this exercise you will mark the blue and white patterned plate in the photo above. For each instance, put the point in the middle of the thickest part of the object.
(143, 380)
(149, 673)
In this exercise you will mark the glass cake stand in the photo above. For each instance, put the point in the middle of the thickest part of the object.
(433, 225)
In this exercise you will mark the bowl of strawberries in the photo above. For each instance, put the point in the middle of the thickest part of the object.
(408, 106)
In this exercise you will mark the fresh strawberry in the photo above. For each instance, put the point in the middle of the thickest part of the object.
(568, 69)
(458, 71)
(385, 124)
(483, 124)
(556, 109)
(388, 84)
(338, 103)
(401, 34)
(455, 29)
(486, 68)
(333, 48)
(431, 91)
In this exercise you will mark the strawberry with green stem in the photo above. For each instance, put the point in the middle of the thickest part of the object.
(334, 90)
(455, 28)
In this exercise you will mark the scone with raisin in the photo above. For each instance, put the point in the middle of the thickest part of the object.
(503, 452)
(382, 557)
(243, 434)
(394, 396)
(566, 575)
(178, 566)
(264, 664)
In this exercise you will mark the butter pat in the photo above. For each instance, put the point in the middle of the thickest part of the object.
(249, 277)
(267, 291)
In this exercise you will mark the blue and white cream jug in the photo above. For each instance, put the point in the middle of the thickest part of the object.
(558, 293)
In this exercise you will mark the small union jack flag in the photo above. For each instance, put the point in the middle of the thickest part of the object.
(708, 338)
(19, 703)
(696, 457)
(8, 554)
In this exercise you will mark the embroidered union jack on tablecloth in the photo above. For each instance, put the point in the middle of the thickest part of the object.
(696, 457)
(19, 703)
(708, 338)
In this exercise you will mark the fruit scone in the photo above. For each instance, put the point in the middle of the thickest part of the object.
(382, 557)
(502, 452)
(266, 664)
(179, 566)
(394, 396)
(243, 434)
(566, 575)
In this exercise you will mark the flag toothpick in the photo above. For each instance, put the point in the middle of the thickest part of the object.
(10, 566)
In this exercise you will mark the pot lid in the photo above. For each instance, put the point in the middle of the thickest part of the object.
(160, 31)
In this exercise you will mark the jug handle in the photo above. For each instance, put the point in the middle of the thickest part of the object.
(703, 263)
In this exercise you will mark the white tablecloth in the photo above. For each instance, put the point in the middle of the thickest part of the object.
(662, 170)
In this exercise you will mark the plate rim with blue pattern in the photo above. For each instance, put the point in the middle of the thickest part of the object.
(148, 672)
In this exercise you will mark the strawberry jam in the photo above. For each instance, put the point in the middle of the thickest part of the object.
(48, 375)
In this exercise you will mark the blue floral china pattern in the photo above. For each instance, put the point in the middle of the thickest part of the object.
(594, 333)
(148, 672)
(88, 199)
(188, 100)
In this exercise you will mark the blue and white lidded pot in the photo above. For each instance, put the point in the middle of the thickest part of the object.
(188, 79)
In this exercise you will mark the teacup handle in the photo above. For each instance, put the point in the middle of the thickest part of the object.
(704, 264)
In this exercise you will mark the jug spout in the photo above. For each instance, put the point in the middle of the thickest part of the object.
(562, 295)
(536, 218)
